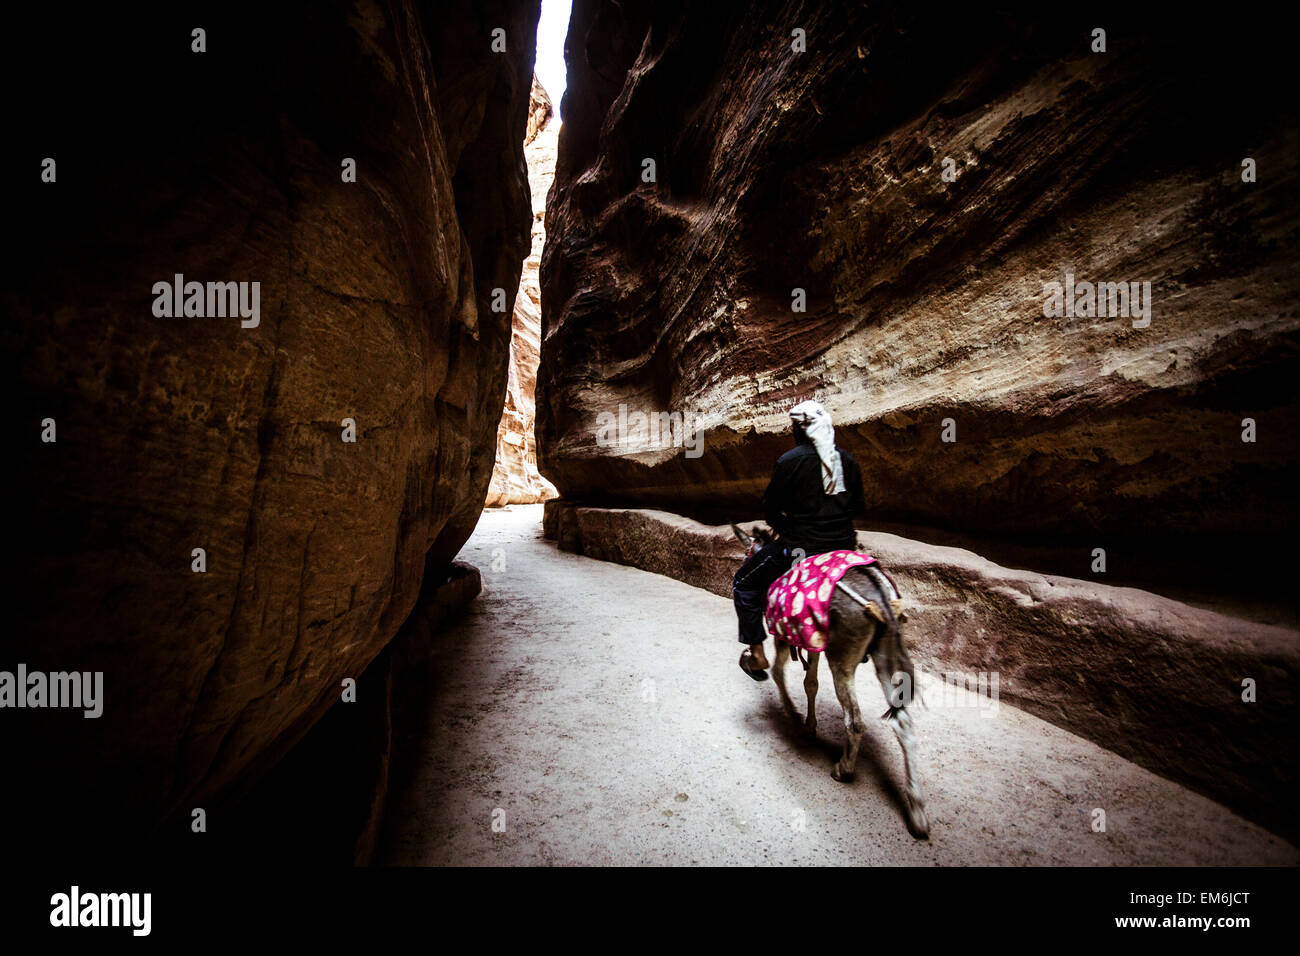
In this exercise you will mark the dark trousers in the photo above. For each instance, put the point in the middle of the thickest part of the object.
(749, 588)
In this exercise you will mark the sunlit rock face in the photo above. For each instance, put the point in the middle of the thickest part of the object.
(823, 170)
(515, 479)
(184, 433)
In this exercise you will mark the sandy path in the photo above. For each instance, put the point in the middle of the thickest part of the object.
(600, 707)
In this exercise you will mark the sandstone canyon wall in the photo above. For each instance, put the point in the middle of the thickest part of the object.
(515, 479)
(824, 171)
(175, 434)
(921, 178)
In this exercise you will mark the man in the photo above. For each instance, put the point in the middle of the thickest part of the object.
(815, 492)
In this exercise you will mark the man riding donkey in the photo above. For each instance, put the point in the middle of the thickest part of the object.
(822, 597)
(815, 492)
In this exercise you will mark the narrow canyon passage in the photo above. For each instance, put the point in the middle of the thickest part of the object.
(600, 708)
(284, 323)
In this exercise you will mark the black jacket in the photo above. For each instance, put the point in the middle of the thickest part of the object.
(799, 510)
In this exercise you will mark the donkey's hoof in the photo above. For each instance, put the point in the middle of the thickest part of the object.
(843, 776)
(918, 824)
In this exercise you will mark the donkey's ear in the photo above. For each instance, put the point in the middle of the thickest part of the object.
(745, 539)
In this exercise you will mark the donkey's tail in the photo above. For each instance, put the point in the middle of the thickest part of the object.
(888, 653)
(893, 665)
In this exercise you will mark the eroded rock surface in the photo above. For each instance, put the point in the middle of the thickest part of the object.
(824, 171)
(175, 434)
(515, 478)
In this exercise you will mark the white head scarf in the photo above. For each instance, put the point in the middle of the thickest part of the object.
(816, 424)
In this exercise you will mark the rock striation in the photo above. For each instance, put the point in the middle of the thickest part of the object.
(515, 478)
(916, 183)
(886, 210)
(229, 163)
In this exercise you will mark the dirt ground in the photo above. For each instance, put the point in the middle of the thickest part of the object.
(583, 712)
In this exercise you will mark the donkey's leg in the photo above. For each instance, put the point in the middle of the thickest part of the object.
(810, 688)
(842, 673)
(918, 820)
(778, 674)
(901, 722)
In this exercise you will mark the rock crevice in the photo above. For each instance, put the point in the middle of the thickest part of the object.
(515, 478)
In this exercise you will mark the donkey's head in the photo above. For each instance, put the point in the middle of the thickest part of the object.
(760, 536)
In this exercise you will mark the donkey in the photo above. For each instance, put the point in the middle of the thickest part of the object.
(864, 619)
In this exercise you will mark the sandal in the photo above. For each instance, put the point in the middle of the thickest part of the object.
(746, 658)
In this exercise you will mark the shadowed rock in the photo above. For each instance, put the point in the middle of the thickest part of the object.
(184, 433)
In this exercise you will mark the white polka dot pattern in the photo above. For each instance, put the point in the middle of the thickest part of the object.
(798, 602)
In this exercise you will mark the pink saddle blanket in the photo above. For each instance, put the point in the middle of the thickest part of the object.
(799, 601)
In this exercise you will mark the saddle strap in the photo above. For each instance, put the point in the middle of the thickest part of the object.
(890, 578)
